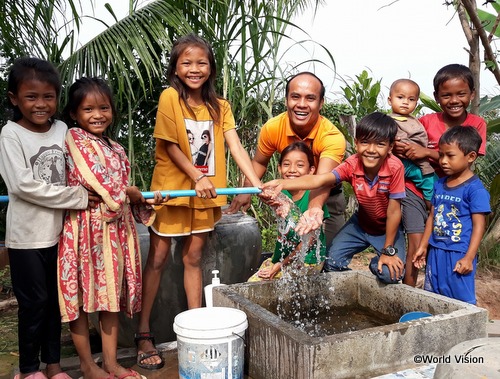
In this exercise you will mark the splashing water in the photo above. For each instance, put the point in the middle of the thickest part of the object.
(294, 274)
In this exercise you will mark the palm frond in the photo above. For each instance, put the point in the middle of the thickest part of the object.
(31, 27)
(134, 45)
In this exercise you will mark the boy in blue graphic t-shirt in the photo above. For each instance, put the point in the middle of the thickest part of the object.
(457, 220)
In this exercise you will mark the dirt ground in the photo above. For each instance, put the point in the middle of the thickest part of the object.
(487, 285)
(487, 293)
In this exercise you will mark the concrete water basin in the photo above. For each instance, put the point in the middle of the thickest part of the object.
(276, 348)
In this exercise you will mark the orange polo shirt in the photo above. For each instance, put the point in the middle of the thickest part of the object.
(325, 140)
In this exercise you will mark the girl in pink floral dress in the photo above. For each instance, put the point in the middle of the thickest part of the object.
(99, 259)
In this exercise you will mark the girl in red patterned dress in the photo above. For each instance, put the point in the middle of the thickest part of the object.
(99, 266)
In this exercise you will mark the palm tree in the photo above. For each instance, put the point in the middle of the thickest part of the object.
(132, 53)
(247, 36)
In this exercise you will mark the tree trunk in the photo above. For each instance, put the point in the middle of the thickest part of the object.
(471, 9)
(474, 55)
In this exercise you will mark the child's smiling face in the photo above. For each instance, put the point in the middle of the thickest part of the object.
(372, 155)
(37, 102)
(94, 114)
(454, 96)
(294, 165)
(193, 68)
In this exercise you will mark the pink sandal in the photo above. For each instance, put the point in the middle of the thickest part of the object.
(35, 375)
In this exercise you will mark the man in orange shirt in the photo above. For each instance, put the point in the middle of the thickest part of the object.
(302, 122)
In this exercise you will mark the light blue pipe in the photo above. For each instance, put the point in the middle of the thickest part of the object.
(218, 191)
(184, 193)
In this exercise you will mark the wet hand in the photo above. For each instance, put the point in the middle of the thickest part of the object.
(271, 189)
(310, 220)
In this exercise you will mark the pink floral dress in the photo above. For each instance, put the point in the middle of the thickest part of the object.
(99, 265)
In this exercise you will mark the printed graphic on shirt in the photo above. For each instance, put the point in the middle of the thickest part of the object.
(48, 165)
(447, 224)
(200, 136)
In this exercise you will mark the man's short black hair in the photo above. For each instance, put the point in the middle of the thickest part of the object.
(377, 126)
(321, 91)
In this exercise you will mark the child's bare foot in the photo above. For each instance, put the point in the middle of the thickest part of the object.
(121, 372)
(95, 372)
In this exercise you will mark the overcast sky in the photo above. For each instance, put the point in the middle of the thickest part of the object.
(405, 39)
(391, 39)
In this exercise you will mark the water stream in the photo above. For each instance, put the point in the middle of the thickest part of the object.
(315, 316)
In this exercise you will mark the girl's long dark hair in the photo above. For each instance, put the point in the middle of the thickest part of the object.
(208, 93)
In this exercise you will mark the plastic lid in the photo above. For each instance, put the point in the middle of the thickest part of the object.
(212, 322)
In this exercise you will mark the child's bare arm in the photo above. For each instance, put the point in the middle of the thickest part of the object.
(305, 182)
(241, 157)
(319, 196)
(464, 265)
(270, 272)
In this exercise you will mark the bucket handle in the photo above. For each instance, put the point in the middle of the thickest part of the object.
(242, 338)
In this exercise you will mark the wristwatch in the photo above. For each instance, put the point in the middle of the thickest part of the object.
(390, 251)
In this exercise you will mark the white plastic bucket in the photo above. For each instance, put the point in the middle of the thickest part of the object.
(210, 343)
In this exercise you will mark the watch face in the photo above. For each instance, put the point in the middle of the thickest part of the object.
(389, 250)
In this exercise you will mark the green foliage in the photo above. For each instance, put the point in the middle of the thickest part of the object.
(132, 54)
(430, 103)
(337, 113)
(3, 120)
(5, 282)
(489, 255)
(488, 20)
(362, 95)
(489, 110)
(488, 170)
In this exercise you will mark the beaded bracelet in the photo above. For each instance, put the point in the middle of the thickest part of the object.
(199, 178)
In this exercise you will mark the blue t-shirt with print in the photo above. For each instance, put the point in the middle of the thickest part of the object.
(453, 209)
